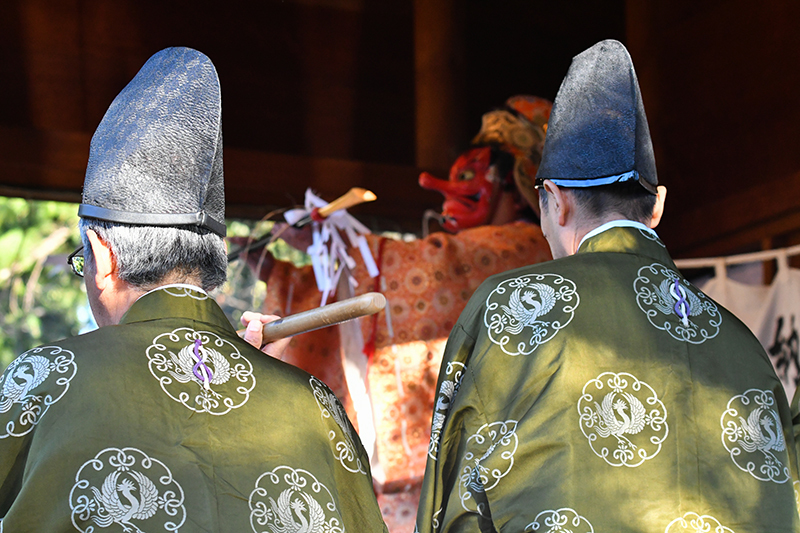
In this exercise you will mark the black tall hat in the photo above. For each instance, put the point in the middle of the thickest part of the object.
(156, 157)
(598, 133)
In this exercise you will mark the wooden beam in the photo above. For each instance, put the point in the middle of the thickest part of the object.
(47, 164)
(730, 223)
(40, 160)
(437, 76)
(257, 180)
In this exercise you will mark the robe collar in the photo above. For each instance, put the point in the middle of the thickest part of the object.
(625, 236)
(178, 301)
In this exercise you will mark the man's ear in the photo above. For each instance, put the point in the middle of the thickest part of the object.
(104, 263)
(559, 201)
(658, 209)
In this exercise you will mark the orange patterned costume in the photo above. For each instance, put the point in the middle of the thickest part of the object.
(384, 367)
(427, 283)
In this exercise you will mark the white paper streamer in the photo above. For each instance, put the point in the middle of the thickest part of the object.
(387, 311)
(329, 251)
(372, 268)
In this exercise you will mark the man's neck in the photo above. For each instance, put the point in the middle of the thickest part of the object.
(112, 304)
(587, 229)
(119, 299)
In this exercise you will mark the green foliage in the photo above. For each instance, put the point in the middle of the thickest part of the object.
(40, 298)
(243, 291)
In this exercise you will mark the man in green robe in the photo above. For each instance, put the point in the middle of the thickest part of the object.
(163, 419)
(601, 391)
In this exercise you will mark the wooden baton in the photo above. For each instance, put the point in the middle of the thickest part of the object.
(321, 317)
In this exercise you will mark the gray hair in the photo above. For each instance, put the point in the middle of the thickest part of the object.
(147, 255)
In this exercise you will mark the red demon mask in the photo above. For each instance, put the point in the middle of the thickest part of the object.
(469, 193)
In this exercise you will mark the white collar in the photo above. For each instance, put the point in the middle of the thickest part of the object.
(617, 224)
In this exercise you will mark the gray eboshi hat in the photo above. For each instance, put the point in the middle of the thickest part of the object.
(156, 157)
(598, 133)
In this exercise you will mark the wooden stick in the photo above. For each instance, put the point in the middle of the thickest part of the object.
(354, 196)
(321, 317)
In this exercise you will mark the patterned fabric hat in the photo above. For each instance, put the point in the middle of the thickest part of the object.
(519, 129)
(598, 131)
(156, 157)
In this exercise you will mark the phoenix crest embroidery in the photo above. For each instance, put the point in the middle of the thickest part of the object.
(753, 434)
(214, 368)
(488, 459)
(447, 393)
(119, 503)
(524, 307)
(193, 368)
(673, 305)
(117, 487)
(330, 407)
(23, 385)
(619, 413)
(523, 313)
(564, 520)
(293, 501)
(22, 379)
(618, 416)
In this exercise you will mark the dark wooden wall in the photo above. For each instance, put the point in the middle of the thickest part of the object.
(322, 93)
(720, 80)
(331, 94)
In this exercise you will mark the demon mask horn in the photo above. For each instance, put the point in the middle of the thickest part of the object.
(598, 133)
(156, 157)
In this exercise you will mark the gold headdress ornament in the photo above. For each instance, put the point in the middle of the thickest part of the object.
(519, 129)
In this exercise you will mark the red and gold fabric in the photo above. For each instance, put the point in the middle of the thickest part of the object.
(427, 284)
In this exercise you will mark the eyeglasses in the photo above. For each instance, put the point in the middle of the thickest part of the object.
(77, 261)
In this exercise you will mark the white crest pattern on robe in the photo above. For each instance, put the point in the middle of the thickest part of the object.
(434, 522)
(695, 523)
(192, 382)
(623, 419)
(46, 367)
(753, 435)
(184, 292)
(652, 237)
(286, 500)
(525, 312)
(126, 490)
(435, 519)
(656, 296)
(454, 371)
(564, 520)
(330, 407)
(495, 444)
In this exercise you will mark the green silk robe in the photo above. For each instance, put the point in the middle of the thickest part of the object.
(602, 392)
(140, 427)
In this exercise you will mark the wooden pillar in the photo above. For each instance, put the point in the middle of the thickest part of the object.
(438, 76)
(643, 42)
(769, 268)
